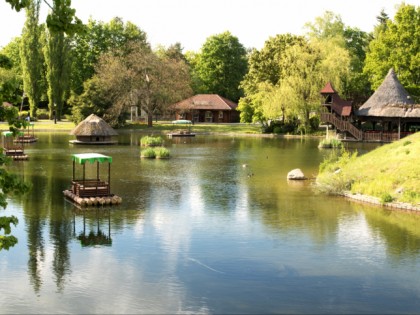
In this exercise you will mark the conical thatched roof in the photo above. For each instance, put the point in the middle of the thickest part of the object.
(93, 126)
(390, 100)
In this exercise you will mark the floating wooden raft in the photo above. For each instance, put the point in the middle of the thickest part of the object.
(93, 201)
(25, 140)
(18, 157)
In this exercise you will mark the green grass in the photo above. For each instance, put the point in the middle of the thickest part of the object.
(390, 172)
(199, 128)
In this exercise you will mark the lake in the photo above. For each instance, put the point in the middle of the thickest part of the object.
(215, 229)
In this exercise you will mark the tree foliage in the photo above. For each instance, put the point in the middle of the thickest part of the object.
(220, 66)
(265, 67)
(9, 183)
(396, 45)
(31, 56)
(96, 39)
(138, 77)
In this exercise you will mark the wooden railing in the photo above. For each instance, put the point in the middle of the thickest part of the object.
(342, 125)
(90, 188)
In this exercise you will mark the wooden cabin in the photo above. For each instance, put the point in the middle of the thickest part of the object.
(388, 115)
(93, 130)
(87, 191)
(11, 149)
(209, 108)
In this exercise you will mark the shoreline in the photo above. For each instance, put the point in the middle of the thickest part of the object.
(376, 201)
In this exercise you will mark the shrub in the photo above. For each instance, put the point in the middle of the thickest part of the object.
(161, 152)
(148, 153)
(149, 141)
(386, 197)
(330, 143)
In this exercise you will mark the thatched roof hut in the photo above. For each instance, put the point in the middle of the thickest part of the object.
(390, 100)
(93, 130)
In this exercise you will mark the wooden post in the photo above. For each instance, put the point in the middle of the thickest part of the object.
(109, 178)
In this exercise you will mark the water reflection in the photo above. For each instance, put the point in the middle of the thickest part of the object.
(198, 234)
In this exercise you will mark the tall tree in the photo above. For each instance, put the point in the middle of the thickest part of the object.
(265, 66)
(138, 78)
(60, 21)
(330, 28)
(99, 38)
(31, 56)
(397, 46)
(221, 66)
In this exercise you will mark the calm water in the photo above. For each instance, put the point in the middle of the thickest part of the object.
(200, 233)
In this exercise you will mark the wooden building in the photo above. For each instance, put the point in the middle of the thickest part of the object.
(87, 191)
(210, 108)
(93, 130)
(390, 111)
(388, 115)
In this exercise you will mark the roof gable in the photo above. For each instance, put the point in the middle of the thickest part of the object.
(206, 102)
(328, 89)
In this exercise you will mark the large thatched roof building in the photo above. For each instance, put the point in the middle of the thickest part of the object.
(389, 100)
(93, 130)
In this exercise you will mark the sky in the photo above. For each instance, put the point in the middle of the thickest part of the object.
(191, 22)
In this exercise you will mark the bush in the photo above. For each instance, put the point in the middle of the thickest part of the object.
(42, 113)
(148, 153)
(386, 197)
(149, 141)
(161, 152)
(331, 143)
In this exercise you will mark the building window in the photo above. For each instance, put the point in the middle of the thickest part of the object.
(209, 116)
(220, 115)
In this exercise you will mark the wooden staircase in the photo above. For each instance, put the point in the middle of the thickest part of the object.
(342, 125)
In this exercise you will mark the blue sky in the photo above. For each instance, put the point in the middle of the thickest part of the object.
(191, 22)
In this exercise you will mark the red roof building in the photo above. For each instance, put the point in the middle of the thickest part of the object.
(334, 103)
(207, 108)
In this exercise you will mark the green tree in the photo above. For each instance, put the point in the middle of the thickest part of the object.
(61, 20)
(31, 56)
(330, 28)
(221, 66)
(138, 78)
(396, 46)
(99, 38)
(11, 73)
(9, 183)
(265, 66)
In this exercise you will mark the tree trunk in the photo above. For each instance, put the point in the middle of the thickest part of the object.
(149, 120)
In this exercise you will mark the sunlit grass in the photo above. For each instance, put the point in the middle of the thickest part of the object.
(390, 172)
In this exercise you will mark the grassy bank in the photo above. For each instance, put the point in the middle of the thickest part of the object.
(199, 128)
(390, 172)
(158, 127)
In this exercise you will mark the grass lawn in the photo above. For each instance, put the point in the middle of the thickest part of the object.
(158, 127)
(390, 172)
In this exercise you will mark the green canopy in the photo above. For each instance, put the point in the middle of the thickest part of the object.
(10, 133)
(91, 157)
